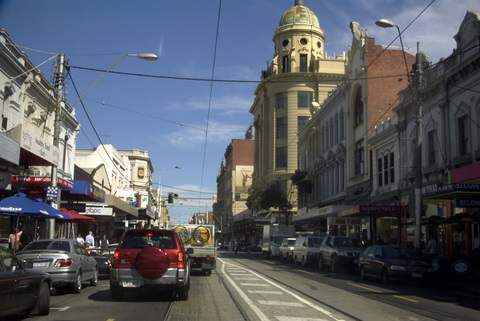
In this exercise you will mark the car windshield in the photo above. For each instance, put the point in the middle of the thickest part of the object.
(315, 241)
(163, 240)
(291, 242)
(347, 242)
(399, 253)
(48, 245)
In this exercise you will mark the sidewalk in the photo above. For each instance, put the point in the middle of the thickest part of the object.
(466, 285)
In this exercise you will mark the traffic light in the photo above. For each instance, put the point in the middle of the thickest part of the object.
(170, 198)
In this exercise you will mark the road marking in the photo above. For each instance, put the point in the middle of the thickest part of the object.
(248, 278)
(243, 295)
(61, 309)
(281, 303)
(304, 271)
(263, 317)
(285, 318)
(404, 298)
(239, 274)
(373, 290)
(254, 284)
(264, 292)
(364, 287)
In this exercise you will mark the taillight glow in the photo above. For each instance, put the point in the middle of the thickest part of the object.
(181, 260)
(63, 263)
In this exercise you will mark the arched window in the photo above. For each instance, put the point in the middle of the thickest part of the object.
(358, 107)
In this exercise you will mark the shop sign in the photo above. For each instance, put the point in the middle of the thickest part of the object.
(39, 147)
(465, 202)
(461, 267)
(141, 173)
(379, 208)
(99, 211)
(441, 188)
(79, 207)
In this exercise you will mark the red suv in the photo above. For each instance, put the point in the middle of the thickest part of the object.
(150, 258)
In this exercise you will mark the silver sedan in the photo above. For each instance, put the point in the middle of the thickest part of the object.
(67, 261)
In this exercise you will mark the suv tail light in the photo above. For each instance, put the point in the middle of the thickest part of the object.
(63, 263)
(180, 261)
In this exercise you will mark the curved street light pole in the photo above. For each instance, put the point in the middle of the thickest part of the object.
(144, 56)
(59, 88)
(384, 23)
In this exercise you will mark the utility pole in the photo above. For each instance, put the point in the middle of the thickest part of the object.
(59, 88)
(418, 149)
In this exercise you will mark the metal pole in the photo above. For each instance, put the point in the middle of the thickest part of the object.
(59, 86)
(418, 152)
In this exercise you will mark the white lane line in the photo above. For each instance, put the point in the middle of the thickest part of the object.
(255, 284)
(240, 274)
(243, 295)
(281, 303)
(313, 306)
(248, 278)
(264, 292)
(286, 318)
(60, 309)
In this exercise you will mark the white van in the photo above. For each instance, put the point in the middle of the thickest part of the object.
(306, 250)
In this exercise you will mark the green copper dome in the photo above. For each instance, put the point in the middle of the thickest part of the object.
(299, 14)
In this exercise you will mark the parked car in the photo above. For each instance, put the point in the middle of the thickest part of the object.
(340, 252)
(286, 249)
(150, 259)
(104, 258)
(391, 262)
(66, 260)
(22, 291)
(306, 249)
(253, 248)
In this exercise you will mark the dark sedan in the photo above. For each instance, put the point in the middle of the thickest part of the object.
(391, 262)
(104, 258)
(22, 291)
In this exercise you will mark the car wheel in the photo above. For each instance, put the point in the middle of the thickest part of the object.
(77, 285)
(117, 292)
(333, 265)
(363, 274)
(43, 302)
(94, 279)
(182, 293)
(320, 263)
(385, 276)
(304, 261)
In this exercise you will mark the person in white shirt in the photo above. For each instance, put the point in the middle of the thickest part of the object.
(80, 239)
(90, 240)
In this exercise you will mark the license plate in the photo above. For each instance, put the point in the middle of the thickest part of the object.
(417, 275)
(132, 283)
(40, 264)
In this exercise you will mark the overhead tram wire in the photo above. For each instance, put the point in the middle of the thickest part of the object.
(210, 96)
(93, 126)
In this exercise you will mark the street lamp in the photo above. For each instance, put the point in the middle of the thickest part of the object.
(144, 56)
(59, 87)
(384, 23)
(162, 216)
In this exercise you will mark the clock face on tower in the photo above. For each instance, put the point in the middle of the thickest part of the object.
(303, 41)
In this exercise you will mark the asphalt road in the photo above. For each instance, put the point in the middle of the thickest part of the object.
(248, 287)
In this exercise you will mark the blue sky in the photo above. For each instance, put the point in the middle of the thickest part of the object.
(187, 122)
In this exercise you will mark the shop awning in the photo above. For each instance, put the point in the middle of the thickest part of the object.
(79, 218)
(83, 191)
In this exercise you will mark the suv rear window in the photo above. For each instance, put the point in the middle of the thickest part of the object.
(142, 239)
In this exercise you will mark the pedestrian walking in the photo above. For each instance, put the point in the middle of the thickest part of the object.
(80, 239)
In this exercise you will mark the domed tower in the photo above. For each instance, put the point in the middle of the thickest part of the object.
(298, 41)
(298, 79)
